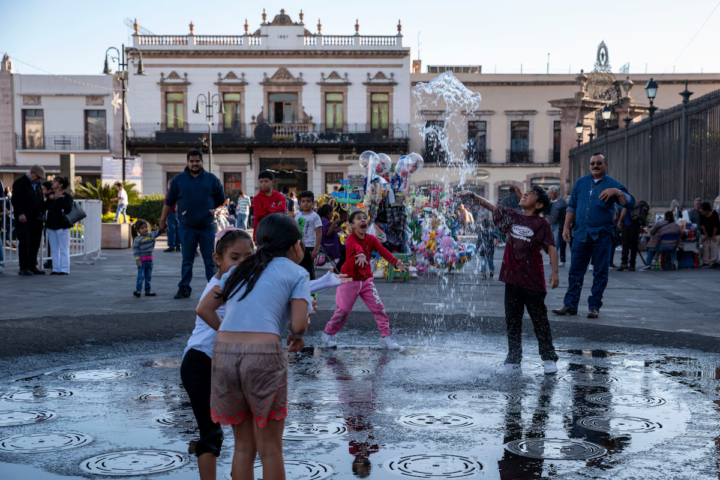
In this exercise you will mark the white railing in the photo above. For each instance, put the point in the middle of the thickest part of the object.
(338, 40)
(85, 235)
(379, 41)
(290, 129)
(218, 40)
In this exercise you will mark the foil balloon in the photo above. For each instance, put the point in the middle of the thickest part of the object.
(368, 157)
(415, 163)
(383, 164)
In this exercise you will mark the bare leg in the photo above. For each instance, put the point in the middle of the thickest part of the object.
(245, 450)
(207, 464)
(269, 446)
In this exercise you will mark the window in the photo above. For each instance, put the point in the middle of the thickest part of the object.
(434, 134)
(519, 142)
(556, 142)
(380, 112)
(332, 181)
(175, 103)
(283, 107)
(33, 130)
(170, 175)
(95, 130)
(232, 120)
(477, 131)
(232, 182)
(504, 192)
(545, 182)
(333, 112)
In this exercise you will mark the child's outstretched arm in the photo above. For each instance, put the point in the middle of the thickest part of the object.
(482, 201)
(207, 308)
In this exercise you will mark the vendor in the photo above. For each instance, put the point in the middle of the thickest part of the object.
(666, 226)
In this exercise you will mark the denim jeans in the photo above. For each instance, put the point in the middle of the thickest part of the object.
(487, 262)
(144, 273)
(557, 230)
(190, 238)
(172, 230)
(121, 211)
(241, 221)
(598, 251)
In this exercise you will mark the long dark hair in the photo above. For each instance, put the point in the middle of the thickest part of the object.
(275, 235)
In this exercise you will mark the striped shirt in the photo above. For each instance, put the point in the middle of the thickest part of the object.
(243, 205)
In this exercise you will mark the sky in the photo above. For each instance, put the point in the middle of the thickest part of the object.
(70, 37)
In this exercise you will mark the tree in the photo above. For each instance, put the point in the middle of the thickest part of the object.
(105, 193)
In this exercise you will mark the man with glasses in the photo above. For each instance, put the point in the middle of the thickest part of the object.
(591, 209)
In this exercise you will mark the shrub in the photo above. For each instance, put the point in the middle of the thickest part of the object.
(148, 208)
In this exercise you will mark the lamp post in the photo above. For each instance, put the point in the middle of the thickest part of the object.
(606, 113)
(651, 89)
(122, 74)
(579, 131)
(209, 101)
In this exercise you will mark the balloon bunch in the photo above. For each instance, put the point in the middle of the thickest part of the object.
(439, 247)
(379, 165)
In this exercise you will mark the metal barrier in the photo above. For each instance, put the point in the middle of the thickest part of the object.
(85, 235)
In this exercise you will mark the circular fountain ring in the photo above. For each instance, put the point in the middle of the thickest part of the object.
(445, 421)
(95, 375)
(134, 462)
(164, 363)
(44, 442)
(484, 397)
(296, 470)
(589, 380)
(178, 418)
(24, 417)
(434, 466)
(555, 449)
(353, 371)
(313, 430)
(625, 399)
(35, 395)
(617, 425)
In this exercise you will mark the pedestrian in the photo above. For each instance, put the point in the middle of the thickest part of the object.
(295, 201)
(197, 194)
(591, 209)
(631, 224)
(465, 219)
(523, 273)
(289, 204)
(47, 190)
(232, 247)
(310, 227)
(359, 248)
(173, 234)
(59, 203)
(486, 242)
(143, 248)
(657, 243)
(122, 199)
(249, 364)
(28, 207)
(267, 201)
(330, 242)
(242, 210)
(555, 214)
(694, 214)
(710, 226)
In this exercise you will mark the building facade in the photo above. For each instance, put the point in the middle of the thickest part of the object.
(301, 104)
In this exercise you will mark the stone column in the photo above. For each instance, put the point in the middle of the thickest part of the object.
(67, 169)
(7, 117)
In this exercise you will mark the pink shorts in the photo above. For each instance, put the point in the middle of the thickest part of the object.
(248, 380)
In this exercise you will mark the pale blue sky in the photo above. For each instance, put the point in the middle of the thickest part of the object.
(70, 37)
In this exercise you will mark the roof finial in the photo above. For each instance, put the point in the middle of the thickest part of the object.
(357, 27)
(282, 11)
(247, 27)
(319, 27)
(136, 26)
(301, 16)
(399, 27)
(264, 15)
(192, 27)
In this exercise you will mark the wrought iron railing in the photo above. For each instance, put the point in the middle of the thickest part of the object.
(519, 156)
(63, 142)
(553, 156)
(478, 156)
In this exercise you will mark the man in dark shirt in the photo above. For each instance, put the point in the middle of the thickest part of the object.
(197, 194)
(710, 228)
(27, 202)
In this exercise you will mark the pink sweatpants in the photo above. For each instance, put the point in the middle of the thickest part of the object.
(345, 299)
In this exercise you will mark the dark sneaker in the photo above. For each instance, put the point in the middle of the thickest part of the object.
(593, 313)
(54, 273)
(25, 271)
(150, 294)
(182, 293)
(622, 267)
(35, 271)
(564, 311)
(48, 265)
(137, 294)
(178, 250)
(631, 269)
(169, 250)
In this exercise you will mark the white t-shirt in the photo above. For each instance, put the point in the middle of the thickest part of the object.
(122, 197)
(203, 336)
(308, 222)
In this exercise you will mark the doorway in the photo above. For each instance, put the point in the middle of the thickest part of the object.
(288, 171)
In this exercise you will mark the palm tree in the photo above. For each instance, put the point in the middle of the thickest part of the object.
(105, 193)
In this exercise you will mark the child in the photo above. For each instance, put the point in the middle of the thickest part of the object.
(249, 365)
(232, 246)
(310, 230)
(143, 247)
(330, 239)
(523, 274)
(487, 239)
(267, 201)
(359, 247)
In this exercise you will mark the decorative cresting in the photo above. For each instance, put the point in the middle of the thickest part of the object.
(282, 77)
(602, 62)
(603, 86)
(231, 79)
(380, 79)
(173, 79)
(334, 79)
(282, 19)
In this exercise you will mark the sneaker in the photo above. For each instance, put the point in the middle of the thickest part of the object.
(561, 264)
(137, 294)
(150, 294)
(492, 274)
(328, 340)
(483, 276)
(509, 369)
(649, 267)
(389, 343)
(631, 269)
(550, 367)
(610, 267)
(182, 293)
(169, 250)
(622, 267)
(590, 268)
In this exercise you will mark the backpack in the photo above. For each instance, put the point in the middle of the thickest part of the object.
(639, 214)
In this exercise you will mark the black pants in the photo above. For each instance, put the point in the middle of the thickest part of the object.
(516, 299)
(308, 263)
(29, 236)
(630, 240)
(196, 373)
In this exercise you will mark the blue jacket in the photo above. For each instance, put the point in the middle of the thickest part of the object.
(196, 198)
(593, 215)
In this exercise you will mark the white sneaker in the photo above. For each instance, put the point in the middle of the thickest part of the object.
(550, 367)
(561, 264)
(328, 340)
(590, 268)
(509, 369)
(389, 343)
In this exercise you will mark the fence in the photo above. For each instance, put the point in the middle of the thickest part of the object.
(673, 156)
(85, 236)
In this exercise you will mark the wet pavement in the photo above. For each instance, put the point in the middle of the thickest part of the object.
(435, 410)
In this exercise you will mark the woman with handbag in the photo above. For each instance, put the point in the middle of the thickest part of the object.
(59, 205)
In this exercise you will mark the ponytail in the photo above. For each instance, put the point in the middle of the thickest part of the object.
(275, 235)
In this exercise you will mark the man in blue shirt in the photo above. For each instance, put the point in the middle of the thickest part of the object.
(197, 194)
(591, 209)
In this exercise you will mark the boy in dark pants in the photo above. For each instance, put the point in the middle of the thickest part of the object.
(523, 273)
(310, 226)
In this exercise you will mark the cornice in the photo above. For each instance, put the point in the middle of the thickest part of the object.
(274, 53)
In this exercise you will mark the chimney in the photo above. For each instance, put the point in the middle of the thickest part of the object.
(416, 66)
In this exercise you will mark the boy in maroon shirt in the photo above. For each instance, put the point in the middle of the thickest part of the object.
(359, 247)
(523, 273)
(267, 201)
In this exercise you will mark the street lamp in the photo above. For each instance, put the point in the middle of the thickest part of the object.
(209, 101)
(122, 74)
(651, 89)
(579, 130)
(606, 113)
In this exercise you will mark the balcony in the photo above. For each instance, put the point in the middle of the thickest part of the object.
(553, 156)
(478, 156)
(515, 156)
(58, 142)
